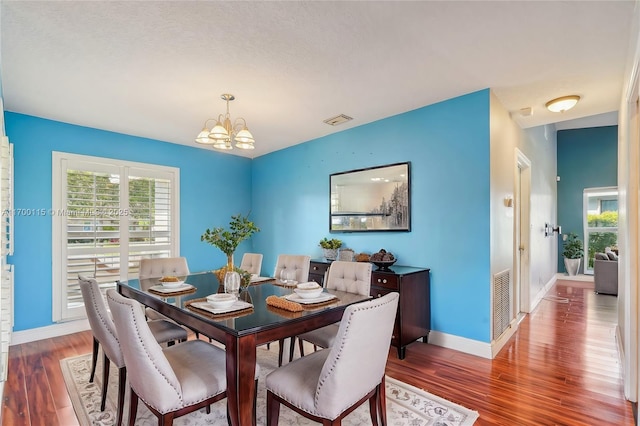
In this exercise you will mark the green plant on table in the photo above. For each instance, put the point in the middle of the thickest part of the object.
(227, 240)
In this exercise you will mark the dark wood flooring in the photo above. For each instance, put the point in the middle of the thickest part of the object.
(561, 368)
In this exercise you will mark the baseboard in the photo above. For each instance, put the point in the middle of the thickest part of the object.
(33, 334)
(543, 291)
(462, 344)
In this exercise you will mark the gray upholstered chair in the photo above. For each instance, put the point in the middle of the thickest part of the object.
(352, 277)
(327, 385)
(161, 267)
(605, 273)
(252, 263)
(299, 263)
(104, 334)
(171, 382)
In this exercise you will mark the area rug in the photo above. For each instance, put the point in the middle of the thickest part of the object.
(406, 405)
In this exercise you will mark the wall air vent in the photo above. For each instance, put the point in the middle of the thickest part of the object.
(338, 119)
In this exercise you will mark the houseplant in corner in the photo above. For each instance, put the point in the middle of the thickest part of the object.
(572, 250)
(330, 247)
(227, 240)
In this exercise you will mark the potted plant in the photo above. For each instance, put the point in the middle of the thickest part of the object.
(572, 250)
(227, 240)
(330, 247)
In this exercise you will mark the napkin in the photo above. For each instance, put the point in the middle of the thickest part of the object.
(285, 304)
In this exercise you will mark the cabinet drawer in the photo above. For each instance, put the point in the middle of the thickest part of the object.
(389, 281)
(317, 268)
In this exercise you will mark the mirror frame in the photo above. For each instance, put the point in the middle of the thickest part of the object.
(359, 200)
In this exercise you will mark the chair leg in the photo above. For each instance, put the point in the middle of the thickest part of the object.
(373, 408)
(122, 382)
(94, 359)
(382, 401)
(280, 351)
(133, 407)
(301, 345)
(268, 345)
(105, 381)
(255, 404)
(292, 346)
(273, 410)
(171, 342)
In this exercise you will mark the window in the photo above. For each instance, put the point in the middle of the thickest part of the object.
(107, 215)
(600, 222)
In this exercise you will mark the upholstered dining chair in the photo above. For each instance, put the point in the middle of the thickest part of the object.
(327, 385)
(252, 263)
(104, 334)
(161, 267)
(352, 277)
(173, 381)
(300, 264)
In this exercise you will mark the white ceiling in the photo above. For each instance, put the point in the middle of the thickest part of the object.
(157, 69)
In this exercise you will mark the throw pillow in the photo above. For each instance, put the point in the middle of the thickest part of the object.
(612, 256)
(601, 256)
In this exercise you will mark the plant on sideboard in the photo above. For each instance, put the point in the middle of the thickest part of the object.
(330, 247)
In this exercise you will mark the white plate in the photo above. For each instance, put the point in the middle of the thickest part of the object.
(163, 289)
(221, 300)
(324, 297)
(237, 306)
(171, 284)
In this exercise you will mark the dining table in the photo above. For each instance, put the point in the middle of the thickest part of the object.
(242, 331)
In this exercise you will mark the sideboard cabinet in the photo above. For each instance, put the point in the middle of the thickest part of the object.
(413, 319)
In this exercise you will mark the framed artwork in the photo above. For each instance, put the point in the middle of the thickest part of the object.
(373, 199)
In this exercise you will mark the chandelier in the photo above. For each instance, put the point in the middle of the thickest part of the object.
(224, 133)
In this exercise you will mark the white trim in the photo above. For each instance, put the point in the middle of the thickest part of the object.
(33, 334)
(499, 343)
(543, 291)
(462, 344)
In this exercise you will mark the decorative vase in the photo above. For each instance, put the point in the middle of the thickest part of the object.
(572, 266)
(232, 282)
(330, 254)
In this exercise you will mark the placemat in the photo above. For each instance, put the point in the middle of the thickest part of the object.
(177, 292)
(204, 312)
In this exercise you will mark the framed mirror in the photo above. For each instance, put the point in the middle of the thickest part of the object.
(372, 199)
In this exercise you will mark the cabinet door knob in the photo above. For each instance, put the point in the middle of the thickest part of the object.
(384, 281)
(315, 268)
(379, 295)
(379, 280)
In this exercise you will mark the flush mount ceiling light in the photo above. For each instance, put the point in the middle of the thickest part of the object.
(224, 133)
(563, 103)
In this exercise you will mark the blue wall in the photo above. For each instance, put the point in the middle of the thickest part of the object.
(288, 195)
(587, 158)
(448, 147)
(213, 186)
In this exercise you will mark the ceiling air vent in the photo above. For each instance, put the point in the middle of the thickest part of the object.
(338, 119)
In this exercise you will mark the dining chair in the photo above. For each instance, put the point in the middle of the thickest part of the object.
(327, 385)
(351, 277)
(104, 335)
(173, 381)
(300, 264)
(159, 267)
(252, 263)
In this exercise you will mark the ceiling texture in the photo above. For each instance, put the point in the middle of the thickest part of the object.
(157, 69)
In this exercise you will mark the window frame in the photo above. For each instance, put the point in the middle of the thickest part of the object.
(586, 194)
(61, 163)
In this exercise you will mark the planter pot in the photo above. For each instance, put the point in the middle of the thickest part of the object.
(330, 254)
(572, 266)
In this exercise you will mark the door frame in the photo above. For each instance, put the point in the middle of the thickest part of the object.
(522, 234)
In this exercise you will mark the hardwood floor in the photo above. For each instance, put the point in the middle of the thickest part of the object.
(561, 368)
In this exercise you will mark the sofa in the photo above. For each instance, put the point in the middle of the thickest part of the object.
(605, 273)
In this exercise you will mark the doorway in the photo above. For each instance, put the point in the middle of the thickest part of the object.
(522, 235)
